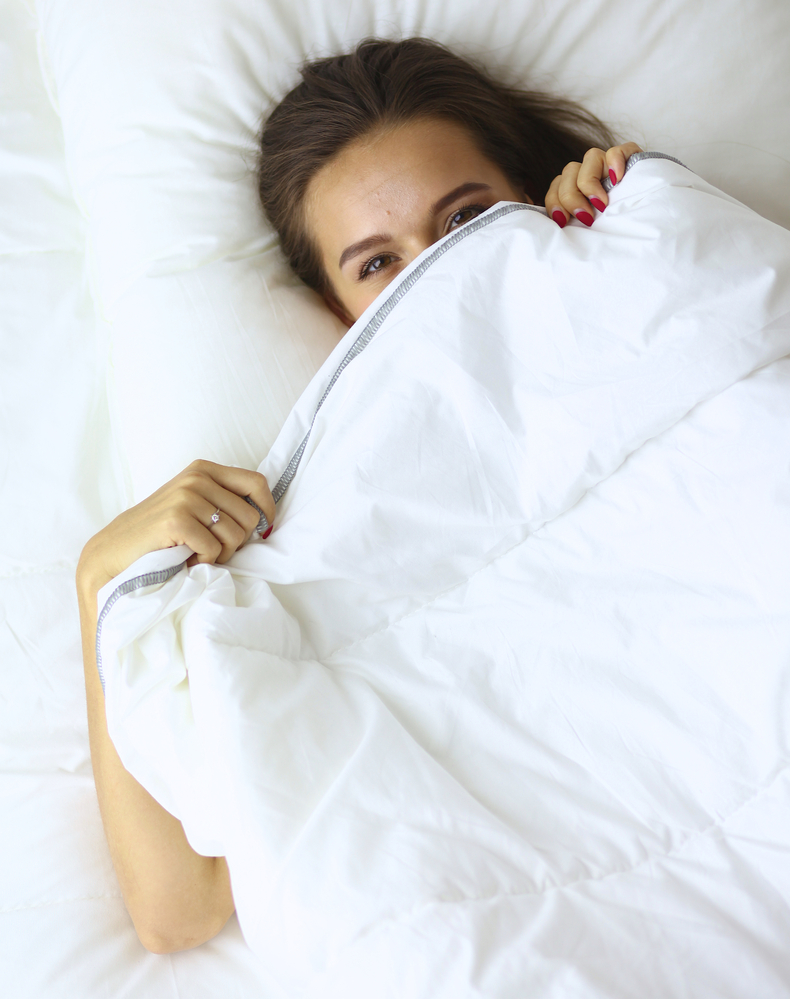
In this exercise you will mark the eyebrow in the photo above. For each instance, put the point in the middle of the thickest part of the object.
(362, 246)
(371, 242)
(457, 193)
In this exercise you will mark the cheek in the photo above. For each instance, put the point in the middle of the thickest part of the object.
(360, 299)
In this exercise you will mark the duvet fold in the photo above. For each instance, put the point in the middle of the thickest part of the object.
(520, 638)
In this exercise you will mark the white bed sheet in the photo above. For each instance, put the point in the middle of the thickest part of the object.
(63, 928)
(160, 107)
(64, 931)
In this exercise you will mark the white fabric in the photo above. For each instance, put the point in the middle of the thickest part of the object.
(505, 693)
(212, 339)
(64, 930)
(706, 82)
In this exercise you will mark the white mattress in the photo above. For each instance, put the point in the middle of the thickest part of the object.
(715, 73)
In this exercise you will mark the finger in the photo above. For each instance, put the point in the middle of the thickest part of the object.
(571, 198)
(552, 203)
(197, 484)
(263, 527)
(189, 519)
(616, 158)
(242, 482)
(205, 478)
(588, 181)
(191, 532)
(206, 547)
(221, 525)
(235, 507)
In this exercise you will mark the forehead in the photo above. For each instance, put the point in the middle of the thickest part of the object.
(384, 176)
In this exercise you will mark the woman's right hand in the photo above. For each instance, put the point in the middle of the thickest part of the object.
(179, 513)
(176, 897)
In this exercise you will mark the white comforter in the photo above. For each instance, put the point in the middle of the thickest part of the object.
(501, 706)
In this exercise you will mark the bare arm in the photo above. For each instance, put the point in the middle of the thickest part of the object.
(177, 898)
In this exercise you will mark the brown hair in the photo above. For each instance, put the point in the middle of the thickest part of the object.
(529, 135)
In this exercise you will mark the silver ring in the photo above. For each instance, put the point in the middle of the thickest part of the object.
(214, 518)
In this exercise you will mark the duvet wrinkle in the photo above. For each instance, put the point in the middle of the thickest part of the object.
(518, 621)
(674, 850)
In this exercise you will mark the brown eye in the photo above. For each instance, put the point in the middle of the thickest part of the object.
(464, 215)
(375, 264)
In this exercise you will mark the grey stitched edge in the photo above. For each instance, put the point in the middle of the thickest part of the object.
(147, 579)
(371, 328)
(263, 523)
(635, 158)
(374, 323)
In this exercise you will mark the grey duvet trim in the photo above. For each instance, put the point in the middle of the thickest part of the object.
(371, 328)
(378, 318)
(637, 158)
(136, 583)
(374, 324)
(263, 523)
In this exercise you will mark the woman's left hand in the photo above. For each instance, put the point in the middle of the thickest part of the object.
(578, 190)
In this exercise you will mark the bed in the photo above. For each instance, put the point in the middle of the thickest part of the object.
(128, 137)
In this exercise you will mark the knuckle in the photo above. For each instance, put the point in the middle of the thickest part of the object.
(571, 200)
(192, 478)
(181, 512)
(591, 187)
(173, 523)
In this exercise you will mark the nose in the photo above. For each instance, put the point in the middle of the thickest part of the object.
(420, 242)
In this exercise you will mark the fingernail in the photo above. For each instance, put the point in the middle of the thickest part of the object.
(559, 218)
(267, 532)
(598, 204)
(584, 217)
(613, 176)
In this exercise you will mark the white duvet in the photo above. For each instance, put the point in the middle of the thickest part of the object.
(502, 707)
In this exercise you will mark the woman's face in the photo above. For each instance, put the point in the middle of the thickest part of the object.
(385, 198)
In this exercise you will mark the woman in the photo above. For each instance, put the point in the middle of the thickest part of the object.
(368, 139)
(370, 160)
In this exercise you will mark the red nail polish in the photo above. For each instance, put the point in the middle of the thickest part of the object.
(559, 218)
(584, 217)
(598, 204)
(267, 532)
(613, 176)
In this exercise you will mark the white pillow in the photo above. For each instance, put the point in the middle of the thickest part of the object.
(211, 339)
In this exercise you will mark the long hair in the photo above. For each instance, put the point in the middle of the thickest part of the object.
(529, 135)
